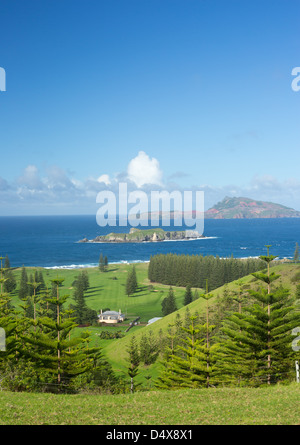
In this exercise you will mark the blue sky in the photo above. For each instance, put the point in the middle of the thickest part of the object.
(169, 94)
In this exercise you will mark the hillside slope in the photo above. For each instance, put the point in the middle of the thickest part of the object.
(116, 352)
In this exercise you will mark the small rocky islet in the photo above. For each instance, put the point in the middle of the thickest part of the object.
(149, 235)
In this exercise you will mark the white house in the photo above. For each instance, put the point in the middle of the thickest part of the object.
(111, 317)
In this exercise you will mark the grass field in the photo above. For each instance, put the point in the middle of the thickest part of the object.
(107, 290)
(277, 405)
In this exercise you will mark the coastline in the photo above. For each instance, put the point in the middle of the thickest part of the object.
(148, 235)
(124, 262)
(91, 266)
(144, 242)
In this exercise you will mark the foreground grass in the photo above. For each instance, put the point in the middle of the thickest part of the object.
(277, 405)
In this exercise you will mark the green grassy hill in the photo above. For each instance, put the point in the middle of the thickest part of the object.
(116, 351)
(107, 290)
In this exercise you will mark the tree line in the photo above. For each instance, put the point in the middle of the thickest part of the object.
(195, 270)
(246, 339)
(32, 288)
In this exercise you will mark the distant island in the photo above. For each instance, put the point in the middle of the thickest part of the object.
(148, 235)
(232, 208)
(228, 208)
(249, 208)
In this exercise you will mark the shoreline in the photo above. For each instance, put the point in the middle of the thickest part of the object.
(144, 242)
(127, 262)
(136, 235)
(91, 266)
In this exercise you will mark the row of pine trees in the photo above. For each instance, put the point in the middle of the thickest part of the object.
(195, 270)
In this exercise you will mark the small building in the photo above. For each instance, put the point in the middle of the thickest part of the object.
(111, 317)
(153, 320)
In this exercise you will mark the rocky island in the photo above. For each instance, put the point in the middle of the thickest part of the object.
(148, 235)
(232, 208)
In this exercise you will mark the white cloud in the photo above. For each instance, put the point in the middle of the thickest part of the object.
(142, 170)
(30, 178)
(3, 184)
(77, 184)
(55, 188)
(178, 175)
(57, 179)
(104, 178)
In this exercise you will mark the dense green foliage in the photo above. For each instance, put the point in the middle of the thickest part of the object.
(188, 296)
(103, 263)
(257, 347)
(191, 363)
(184, 270)
(251, 346)
(134, 361)
(82, 313)
(131, 282)
(169, 304)
(41, 353)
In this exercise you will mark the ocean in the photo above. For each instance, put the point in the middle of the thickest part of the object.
(52, 241)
